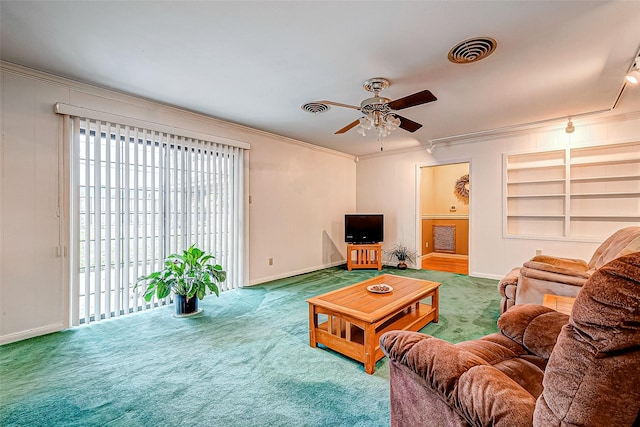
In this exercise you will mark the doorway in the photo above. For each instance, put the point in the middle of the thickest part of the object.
(444, 217)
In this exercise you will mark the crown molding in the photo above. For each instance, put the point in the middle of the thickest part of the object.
(115, 95)
(555, 124)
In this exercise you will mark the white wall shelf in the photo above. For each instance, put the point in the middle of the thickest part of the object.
(536, 181)
(626, 194)
(573, 192)
(525, 196)
(607, 178)
(541, 167)
(618, 161)
(536, 216)
(607, 217)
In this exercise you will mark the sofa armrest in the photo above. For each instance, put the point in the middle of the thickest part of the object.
(510, 279)
(439, 362)
(534, 327)
(473, 388)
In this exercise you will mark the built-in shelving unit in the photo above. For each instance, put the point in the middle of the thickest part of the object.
(573, 192)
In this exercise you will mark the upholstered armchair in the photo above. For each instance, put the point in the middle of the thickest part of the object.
(543, 369)
(562, 276)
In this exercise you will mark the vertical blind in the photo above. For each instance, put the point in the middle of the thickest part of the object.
(139, 195)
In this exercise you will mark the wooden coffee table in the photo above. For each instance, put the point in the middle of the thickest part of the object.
(352, 319)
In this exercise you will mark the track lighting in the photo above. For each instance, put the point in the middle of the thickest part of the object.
(570, 128)
(430, 147)
(633, 76)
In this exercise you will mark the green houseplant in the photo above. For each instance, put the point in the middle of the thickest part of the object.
(403, 254)
(188, 275)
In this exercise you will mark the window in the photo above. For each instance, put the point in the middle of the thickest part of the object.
(139, 195)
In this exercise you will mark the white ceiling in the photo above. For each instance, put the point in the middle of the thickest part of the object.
(255, 63)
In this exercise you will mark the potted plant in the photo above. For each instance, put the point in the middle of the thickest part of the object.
(403, 254)
(188, 275)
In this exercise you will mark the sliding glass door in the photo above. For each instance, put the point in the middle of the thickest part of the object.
(139, 195)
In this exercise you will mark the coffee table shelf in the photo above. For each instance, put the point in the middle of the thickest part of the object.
(356, 318)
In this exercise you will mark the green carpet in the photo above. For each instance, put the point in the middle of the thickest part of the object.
(245, 361)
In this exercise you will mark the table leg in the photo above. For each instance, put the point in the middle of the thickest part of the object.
(313, 324)
(435, 304)
(369, 349)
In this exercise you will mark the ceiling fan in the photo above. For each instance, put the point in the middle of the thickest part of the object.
(380, 112)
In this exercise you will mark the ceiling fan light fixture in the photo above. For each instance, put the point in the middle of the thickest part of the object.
(383, 123)
(393, 122)
(377, 112)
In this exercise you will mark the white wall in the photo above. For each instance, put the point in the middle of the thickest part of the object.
(32, 299)
(299, 194)
(386, 184)
(389, 183)
(299, 198)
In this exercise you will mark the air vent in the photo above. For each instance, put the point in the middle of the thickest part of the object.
(315, 107)
(472, 50)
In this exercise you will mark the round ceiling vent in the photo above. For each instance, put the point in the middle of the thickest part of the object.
(472, 50)
(315, 107)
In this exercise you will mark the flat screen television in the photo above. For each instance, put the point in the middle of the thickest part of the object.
(363, 228)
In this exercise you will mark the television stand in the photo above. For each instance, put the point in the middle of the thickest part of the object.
(367, 256)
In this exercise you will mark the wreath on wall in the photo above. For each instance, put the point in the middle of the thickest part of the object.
(461, 190)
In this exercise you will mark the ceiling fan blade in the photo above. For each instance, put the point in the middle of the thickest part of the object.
(339, 104)
(408, 125)
(412, 100)
(349, 126)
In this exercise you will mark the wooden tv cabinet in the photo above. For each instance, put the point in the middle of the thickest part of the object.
(367, 256)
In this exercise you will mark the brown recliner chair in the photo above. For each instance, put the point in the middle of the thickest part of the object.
(562, 276)
(543, 369)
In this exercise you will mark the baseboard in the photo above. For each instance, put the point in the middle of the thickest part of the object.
(30, 333)
(444, 255)
(294, 273)
(485, 276)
